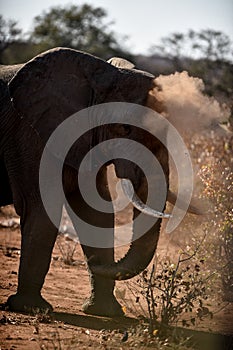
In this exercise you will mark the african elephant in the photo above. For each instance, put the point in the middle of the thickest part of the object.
(35, 98)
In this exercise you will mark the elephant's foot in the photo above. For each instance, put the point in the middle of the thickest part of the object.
(108, 307)
(28, 303)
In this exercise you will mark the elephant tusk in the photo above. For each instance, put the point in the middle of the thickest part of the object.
(137, 203)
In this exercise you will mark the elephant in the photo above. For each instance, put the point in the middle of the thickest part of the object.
(36, 97)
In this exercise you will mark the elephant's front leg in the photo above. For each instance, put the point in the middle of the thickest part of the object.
(102, 301)
(38, 238)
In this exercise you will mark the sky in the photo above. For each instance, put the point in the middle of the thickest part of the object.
(143, 22)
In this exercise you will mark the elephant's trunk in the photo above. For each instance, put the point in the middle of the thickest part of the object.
(137, 258)
(143, 246)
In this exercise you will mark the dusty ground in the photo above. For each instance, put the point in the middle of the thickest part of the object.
(65, 288)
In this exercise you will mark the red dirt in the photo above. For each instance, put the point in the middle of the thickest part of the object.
(65, 288)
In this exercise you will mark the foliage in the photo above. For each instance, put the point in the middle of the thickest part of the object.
(217, 177)
(206, 44)
(9, 34)
(80, 27)
(206, 54)
(67, 249)
(210, 44)
(20, 52)
(173, 292)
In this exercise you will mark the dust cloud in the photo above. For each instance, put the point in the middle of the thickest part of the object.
(188, 108)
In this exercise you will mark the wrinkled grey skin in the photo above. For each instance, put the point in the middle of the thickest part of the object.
(77, 80)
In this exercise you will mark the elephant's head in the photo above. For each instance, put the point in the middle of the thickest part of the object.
(56, 84)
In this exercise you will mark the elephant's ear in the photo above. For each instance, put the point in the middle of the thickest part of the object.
(56, 84)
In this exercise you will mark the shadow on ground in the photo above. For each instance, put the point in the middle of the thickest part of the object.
(202, 340)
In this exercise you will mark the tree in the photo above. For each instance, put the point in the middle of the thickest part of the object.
(172, 47)
(206, 54)
(205, 44)
(9, 34)
(210, 44)
(213, 64)
(80, 27)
